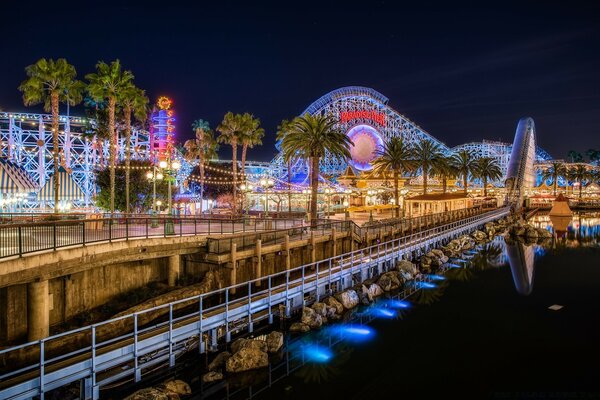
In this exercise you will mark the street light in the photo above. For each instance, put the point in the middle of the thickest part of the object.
(267, 184)
(158, 204)
(210, 204)
(246, 189)
(154, 175)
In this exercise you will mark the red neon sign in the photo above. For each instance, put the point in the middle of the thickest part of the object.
(346, 116)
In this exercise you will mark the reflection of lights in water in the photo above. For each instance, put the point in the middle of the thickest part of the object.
(383, 312)
(436, 277)
(454, 265)
(397, 304)
(426, 285)
(354, 333)
(318, 354)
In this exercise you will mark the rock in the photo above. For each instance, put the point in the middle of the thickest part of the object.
(517, 230)
(178, 387)
(212, 377)
(440, 255)
(219, 362)
(333, 302)
(274, 341)
(239, 344)
(150, 394)
(531, 232)
(331, 312)
(544, 233)
(348, 298)
(246, 359)
(375, 290)
(389, 281)
(364, 290)
(407, 266)
(311, 318)
(364, 298)
(479, 236)
(320, 308)
(299, 327)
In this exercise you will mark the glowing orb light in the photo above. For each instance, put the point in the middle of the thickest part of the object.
(367, 142)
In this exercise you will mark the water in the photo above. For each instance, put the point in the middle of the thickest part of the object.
(479, 332)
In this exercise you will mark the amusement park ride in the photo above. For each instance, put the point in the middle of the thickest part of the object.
(363, 113)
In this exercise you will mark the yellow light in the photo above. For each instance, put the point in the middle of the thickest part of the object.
(162, 164)
(176, 165)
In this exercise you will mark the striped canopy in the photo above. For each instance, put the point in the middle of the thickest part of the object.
(14, 179)
(68, 190)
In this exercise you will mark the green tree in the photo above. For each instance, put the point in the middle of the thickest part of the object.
(396, 156)
(464, 162)
(140, 188)
(202, 148)
(574, 156)
(231, 131)
(134, 102)
(445, 169)
(52, 82)
(556, 170)
(309, 138)
(251, 136)
(487, 168)
(427, 154)
(108, 83)
(282, 130)
(593, 155)
(579, 173)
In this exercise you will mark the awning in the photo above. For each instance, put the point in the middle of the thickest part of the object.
(14, 179)
(68, 189)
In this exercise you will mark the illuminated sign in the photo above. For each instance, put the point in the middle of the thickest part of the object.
(164, 103)
(346, 116)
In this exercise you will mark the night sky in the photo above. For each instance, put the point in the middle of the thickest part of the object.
(461, 73)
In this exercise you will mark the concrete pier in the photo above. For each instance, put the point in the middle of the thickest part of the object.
(174, 269)
(38, 310)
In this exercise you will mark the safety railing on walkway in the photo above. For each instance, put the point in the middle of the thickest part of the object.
(20, 239)
(122, 348)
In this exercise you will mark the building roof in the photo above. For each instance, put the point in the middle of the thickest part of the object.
(438, 196)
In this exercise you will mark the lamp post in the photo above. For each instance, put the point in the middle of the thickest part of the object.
(154, 175)
(158, 204)
(210, 204)
(246, 189)
(171, 168)
(266, 185)
(403, 193)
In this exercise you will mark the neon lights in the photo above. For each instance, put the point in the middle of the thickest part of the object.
(164, 103)
(367, 142)
(347, 116)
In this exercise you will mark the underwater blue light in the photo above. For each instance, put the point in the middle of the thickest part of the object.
(454, 265)
(426, 285)
(436, 277)
(318, 354)
(357, 331)
(353, 333)
(383, 313)
(398, 304)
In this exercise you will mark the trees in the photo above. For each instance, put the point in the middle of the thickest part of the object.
(309, 137)
(593, 155)
(396, 156)
(446, 170)
(557, 170)
(487, 168)
(427, 153)
(108, 82)
(464, 162)
(579, 173)
(251, 135)
(52, 82)
(231, 130)
(134, 102)
(574, 156)
(282, 130)
(202, 148)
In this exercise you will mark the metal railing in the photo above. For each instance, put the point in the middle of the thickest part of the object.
(121, 348)
(20, 239)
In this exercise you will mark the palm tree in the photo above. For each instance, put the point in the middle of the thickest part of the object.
(575, 156)
(396, 156)
(282, 130)
(427, 154)
(309, 138)
(556, 170)
(231, 130)
(579, 174)
(52, 82)
(203, 147)
(464, 162)
(446, 170)
(252, 135)
(109, 82)
(134, 102)
(487, 168)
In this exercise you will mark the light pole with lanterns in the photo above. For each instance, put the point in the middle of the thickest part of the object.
(245, 189)
(154, 175)
(171, 168)
(267, 184)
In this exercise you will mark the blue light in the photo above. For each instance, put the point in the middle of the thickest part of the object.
(397, 304)
(426, 285)
(383, 312)
(437, 277)
(318, 354)
(353, 333)
(454, 265)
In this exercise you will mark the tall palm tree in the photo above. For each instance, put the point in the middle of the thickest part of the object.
(203, 147)
(282, 130)
(231, 130)
(52, 82)
(134, 102)
(252, 135)
(574, 156)
(445, 169)
(309, 138)
(396, 156)
(556, 170)
(108, 82)
(487, 168)
(427, 154)
(579, 174)
(464, 162)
